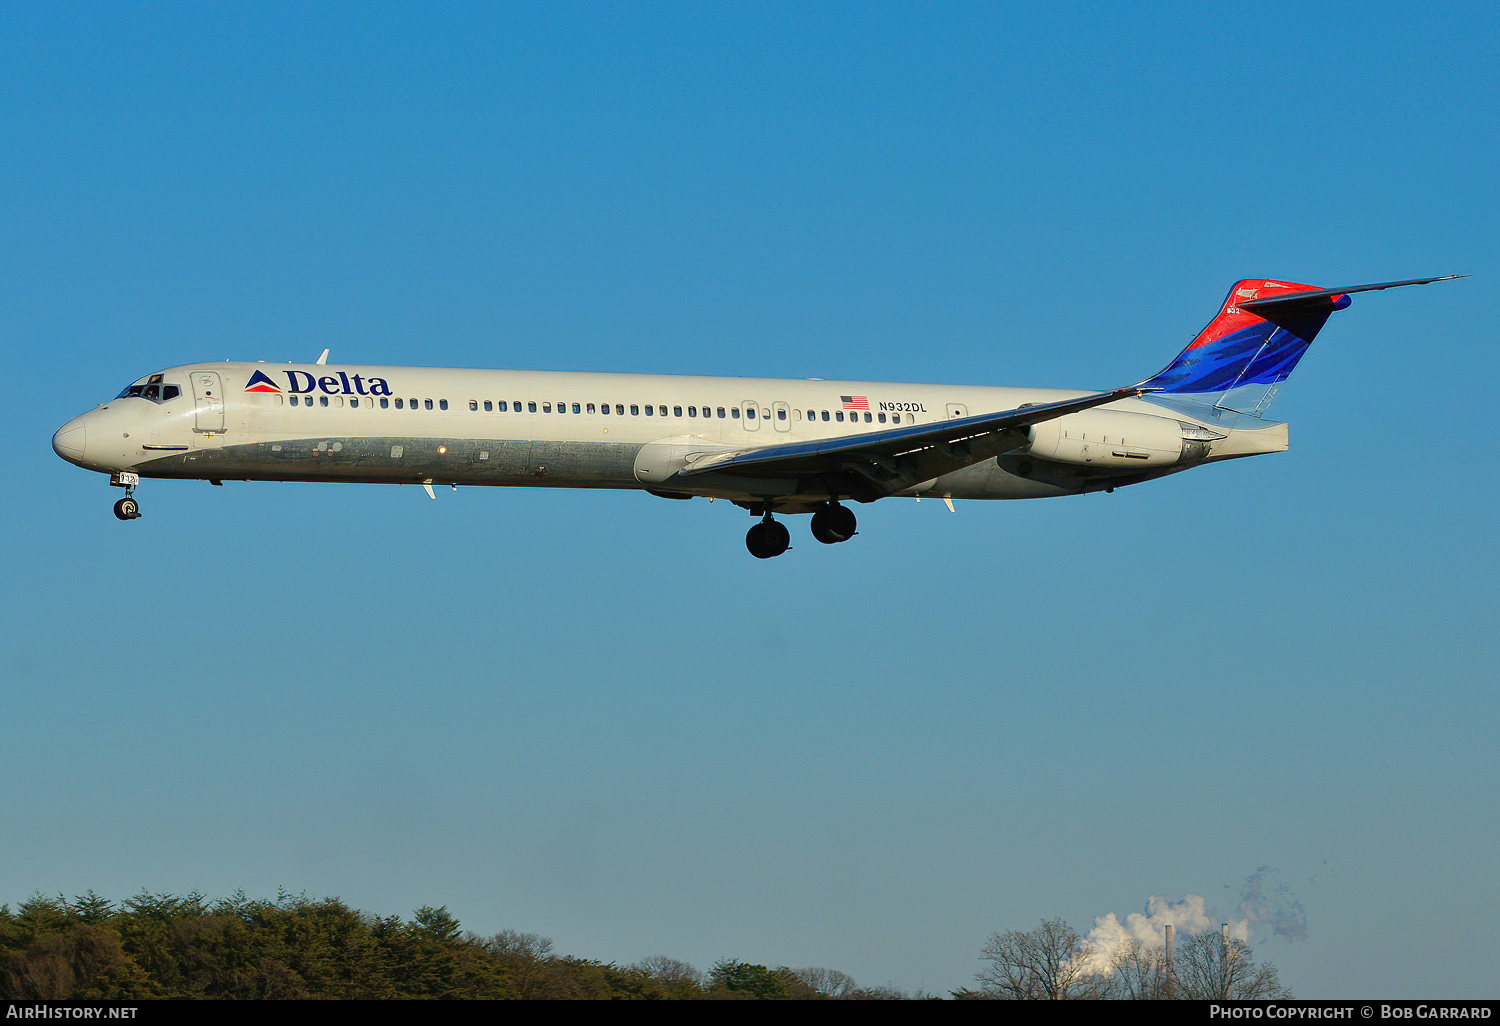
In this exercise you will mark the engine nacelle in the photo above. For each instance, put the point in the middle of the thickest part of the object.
(1108, 438)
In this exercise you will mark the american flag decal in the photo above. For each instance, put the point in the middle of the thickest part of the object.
(856, 402)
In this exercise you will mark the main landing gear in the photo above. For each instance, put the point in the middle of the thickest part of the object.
(127, 508)
(831, 523)
(768, 538)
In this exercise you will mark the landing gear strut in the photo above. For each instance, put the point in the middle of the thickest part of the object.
(833, 524)
(768, 538)
(127, 508)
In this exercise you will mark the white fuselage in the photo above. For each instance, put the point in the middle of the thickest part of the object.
(313, 422)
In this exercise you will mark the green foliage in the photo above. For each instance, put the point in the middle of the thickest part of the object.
(164, 946)
(91, 908)
(745, 981)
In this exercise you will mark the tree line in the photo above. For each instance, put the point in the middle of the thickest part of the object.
(161, 946)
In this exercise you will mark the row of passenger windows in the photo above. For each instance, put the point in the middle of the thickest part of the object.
(600, 409)
(385, 402)
(636, 410)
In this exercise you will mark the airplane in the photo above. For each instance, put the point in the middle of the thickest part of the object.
(769, 446)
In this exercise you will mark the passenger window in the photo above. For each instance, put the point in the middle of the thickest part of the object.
(411, 404)
(781, 414)
(385, 404)
(546, 407)
(635, 410)
(677, 411)
(577, 410)
(488, 406)
(692, 411)
(867, 418)
(825, 414)
(427, 403)
(530, 407)
(604, 409)
(650, 410)
(353, 402)
(474, 404)
(882, 418)
(663, 410)
(292, 399)
(591, 409)
(838, 415)
(750, 413)
(734, 413)
(721, 413)
(442, 404)
(322, 400)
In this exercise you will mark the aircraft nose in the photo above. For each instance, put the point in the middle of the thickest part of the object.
(68, 442)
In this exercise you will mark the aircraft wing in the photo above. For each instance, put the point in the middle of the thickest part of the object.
(879, 463)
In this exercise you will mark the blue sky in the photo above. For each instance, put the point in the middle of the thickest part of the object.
(594, 716)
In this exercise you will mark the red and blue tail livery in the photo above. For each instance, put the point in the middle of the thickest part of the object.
(1260, 333)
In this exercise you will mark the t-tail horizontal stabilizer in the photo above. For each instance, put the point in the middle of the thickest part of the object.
(1260, 333)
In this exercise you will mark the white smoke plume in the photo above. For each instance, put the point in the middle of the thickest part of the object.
(1266, 901)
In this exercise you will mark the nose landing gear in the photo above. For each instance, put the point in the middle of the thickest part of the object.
(127, 508)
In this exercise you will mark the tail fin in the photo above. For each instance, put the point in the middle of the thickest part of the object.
(1243, 347)
(1260, 333)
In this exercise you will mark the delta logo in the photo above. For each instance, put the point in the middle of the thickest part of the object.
(302, 382)
(260, 383)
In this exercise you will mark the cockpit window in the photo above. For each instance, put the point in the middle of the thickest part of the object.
(153, 389)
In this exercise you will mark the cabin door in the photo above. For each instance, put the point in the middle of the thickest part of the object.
(209, 397)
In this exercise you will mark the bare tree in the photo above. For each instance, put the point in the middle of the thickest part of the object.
(828, 982)
(1216, 967)
(1050, 962)
(1139, 973)
(508, 943)
(526, 957)
(677, 976)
